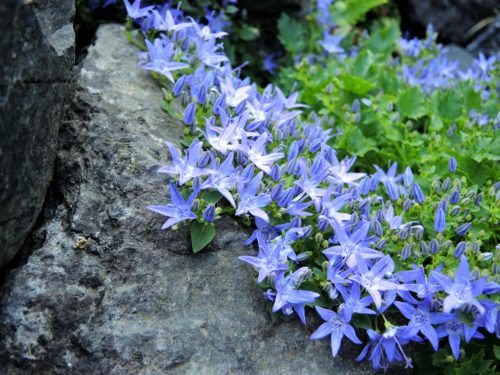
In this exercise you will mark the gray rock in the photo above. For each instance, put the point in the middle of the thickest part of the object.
(457, 53)
(36, 64)
(108, 292)
(453, 19)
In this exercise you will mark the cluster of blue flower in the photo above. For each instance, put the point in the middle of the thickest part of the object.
(279, 169)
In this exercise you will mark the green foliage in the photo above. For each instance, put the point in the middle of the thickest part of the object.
(418, 127)
(291, 33)
(411, 103)
(349, 12)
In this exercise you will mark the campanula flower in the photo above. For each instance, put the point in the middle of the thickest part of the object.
(462, 291)
(288, 294)
(335, 326)
(250, 201)
(352, 246)
(372, 279)
(186, 168)
(179, 210)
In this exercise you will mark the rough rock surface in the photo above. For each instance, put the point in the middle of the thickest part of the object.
(36, 78)
(107, 292)
(451, 18)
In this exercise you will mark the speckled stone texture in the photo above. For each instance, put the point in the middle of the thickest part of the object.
(107, 292)
(451, 18)
(36, 79)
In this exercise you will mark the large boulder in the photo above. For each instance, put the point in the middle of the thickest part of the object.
(451, 19)
(36, 69)
(107, 292)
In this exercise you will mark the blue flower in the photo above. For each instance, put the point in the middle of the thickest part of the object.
(288, 296)
(267, 261)
(391, 343)
(351, 247)
(462, 291)
(421, 320)
(455, 330)
(135, 11)
(335, 326)
(250, 201)
(256, 152)
(353, 303)
(390, 180)
(186, 168)
(161, 54)
(373, 279)
(179, 210)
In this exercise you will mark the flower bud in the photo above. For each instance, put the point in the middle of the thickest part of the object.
(459, 250)
(404, 233)
(406, 252)
(407, 205)
(355, 106)
(381, 243)
(447, 244)
(276, 192)
(407, 177)
(434, 247)
(452, 164)
(205, 158)
(354, 218)
(424, 250)
(179, 86)
(485, 257)
(269, 295)
(209, 213)
(436, 185)
(196, 182)
(455, 197)
(446, 184)
(417, 193)
(190, 113)
(201, 95)
(475, 273)
(463, 229)
(196, 205)
(418, 232)
(479, 199)
(455, 211)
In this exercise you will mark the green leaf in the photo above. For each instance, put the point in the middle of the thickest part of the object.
(359, 145)
(201, 235)
(248, 33)
(496, 350)
(362, 64)
(411, 103)
(450, 105)
(362, 321)
(291, 34)
(356, 85)
(383, 39)
(348, 12)
(231, 9)
(211, 196)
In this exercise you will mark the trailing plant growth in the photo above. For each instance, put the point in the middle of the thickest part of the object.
(372, 187)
